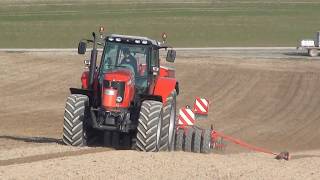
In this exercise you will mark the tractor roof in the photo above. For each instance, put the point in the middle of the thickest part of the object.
(132, 39)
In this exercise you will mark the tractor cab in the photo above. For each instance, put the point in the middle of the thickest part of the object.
(137, 55)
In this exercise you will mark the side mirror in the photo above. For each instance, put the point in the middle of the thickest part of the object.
(82, 47)
(171, 55)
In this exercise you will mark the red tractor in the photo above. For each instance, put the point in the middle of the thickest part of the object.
(127, 98)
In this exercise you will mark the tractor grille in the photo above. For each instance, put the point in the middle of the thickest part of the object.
(120, 86)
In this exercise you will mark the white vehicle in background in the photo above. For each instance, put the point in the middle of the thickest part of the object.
(312, 46)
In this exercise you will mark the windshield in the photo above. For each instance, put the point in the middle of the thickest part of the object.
(130, 56)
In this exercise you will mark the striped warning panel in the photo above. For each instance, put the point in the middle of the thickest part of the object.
(201, 106)
(186, 117)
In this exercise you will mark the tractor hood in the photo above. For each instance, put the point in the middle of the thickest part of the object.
(121, 74)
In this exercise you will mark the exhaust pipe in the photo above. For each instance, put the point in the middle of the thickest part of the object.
(93, 60)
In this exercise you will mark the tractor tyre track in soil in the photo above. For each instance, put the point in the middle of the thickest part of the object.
(271, 102)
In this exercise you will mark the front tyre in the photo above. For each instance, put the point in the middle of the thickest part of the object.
(74, 133)
(149, 126)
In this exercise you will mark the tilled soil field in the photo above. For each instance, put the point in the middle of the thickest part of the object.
(269, 102)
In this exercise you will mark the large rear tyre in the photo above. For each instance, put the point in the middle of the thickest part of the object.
(188, 141)
(116, 139)
(206, 141)
(107, 138)
(168, 128)
(149, 126)
(179, 140)
(112, 139)
(75, 117)
(126, 141)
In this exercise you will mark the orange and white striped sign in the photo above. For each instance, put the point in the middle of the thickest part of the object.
(186, 117)
(201, 106)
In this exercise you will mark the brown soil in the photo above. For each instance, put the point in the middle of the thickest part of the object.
(272, 103)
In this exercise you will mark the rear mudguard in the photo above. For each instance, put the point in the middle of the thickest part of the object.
(164, 86)
(86, 92)
(81, 91)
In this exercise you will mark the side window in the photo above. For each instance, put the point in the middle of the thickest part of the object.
(155, 58)
(110, 57)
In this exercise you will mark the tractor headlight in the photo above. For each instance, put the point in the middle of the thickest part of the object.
(137, 41)
(119, 99)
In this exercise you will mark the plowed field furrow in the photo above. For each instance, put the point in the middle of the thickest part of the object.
(269, 102)
(236, 101)
(272, 103)
(35, 158)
